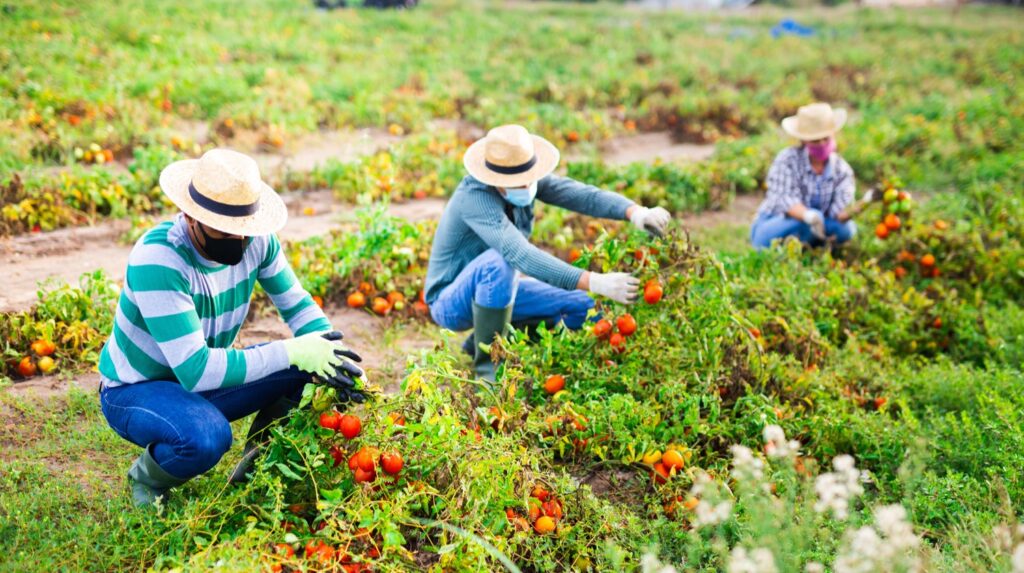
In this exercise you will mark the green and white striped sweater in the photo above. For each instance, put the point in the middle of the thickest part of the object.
(179, 313)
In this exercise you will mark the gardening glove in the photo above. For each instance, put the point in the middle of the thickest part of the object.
(343, 380)
(620, 287)
(816, 220)
(313, 353)
(653, 220)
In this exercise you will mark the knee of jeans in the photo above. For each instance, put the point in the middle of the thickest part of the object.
(759, 240)
(207, 445)
(497, 278)
(847, 231)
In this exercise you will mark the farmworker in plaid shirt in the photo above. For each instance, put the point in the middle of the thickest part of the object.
(810, 187)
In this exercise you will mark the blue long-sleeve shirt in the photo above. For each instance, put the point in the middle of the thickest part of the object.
(478, 218)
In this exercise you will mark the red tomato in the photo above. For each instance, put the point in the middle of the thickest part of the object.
(391, 462)
(330, 420)
(626, 324)
(349, 426)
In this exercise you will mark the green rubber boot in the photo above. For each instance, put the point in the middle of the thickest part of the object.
(488, 323)
(259, 432)
(149, 481)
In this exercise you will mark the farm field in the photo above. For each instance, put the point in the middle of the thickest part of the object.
(785, 410)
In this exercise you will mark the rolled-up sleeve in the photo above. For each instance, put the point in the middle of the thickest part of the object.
(484, 214)
(582, 198)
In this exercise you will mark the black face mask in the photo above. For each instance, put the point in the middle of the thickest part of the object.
(224, 251)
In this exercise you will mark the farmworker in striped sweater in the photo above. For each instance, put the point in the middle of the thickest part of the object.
(482, 250)
(810, 187)
(170, 380)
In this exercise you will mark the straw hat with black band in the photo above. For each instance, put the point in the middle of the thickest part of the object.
(509, 156)
(814, 121)
(223, 190)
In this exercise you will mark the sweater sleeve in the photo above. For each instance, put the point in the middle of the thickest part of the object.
(164, 303)
(582, 198)
(782, 182)
(293, 302)
(484, 213)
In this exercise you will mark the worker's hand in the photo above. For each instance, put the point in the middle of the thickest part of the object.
(313, 353)
(816, 221)
(620, 287)
(343, 380)
(653, 220)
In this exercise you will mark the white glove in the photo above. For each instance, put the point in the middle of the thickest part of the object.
(814, 218)
(620, 287)
(868, 196)
(653, 220)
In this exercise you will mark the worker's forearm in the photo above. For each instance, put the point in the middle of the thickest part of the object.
(584, 282)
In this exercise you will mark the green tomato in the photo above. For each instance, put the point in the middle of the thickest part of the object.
(890, 195)
(904, 206)
(323, 399)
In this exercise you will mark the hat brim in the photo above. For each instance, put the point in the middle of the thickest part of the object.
(547, 160)
(270, 218)
(789, 125)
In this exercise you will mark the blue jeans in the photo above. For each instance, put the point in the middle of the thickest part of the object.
(767, 228)
(493, 283)
(190, 431)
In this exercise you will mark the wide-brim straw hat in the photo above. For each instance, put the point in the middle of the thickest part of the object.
(223, 190)
(510, 156)
(814, 121)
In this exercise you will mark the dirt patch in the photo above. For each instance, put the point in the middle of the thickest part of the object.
(54, 387)
(465, 130)
(740, 212)
(615, 484)
(308, 152)
(418, 209)
(64, 254)
(648, 147)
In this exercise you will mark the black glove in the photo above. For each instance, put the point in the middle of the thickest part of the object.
(343, 378)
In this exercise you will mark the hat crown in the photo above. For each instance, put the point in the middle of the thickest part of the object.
(228, 177)
(815, 117)
(508, 146)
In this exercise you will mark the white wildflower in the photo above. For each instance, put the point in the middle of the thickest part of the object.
(759, 560)
(650, 563)
(709, 514)
(746, 466)
(837, 489)
(1017, 560)
(776, 445)
(889, 545)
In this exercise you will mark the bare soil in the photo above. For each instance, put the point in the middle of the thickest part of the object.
(648, 147)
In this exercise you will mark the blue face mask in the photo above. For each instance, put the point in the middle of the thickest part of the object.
(521, 196)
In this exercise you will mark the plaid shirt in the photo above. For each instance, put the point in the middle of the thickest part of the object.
(791, 180)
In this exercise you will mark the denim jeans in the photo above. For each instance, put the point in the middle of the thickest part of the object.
(767, 228)
(493, 283)
(190, 431)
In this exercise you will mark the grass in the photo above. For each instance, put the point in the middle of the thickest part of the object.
(937, 107)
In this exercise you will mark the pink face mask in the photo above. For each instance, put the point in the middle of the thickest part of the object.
(821, 151)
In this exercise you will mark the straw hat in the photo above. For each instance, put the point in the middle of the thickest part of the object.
(509, 156)
(814, 121)
(223, 190)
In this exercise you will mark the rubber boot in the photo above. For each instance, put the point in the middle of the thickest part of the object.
(487, 324)
(529, 326)
(259, 432)
(148, 480)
